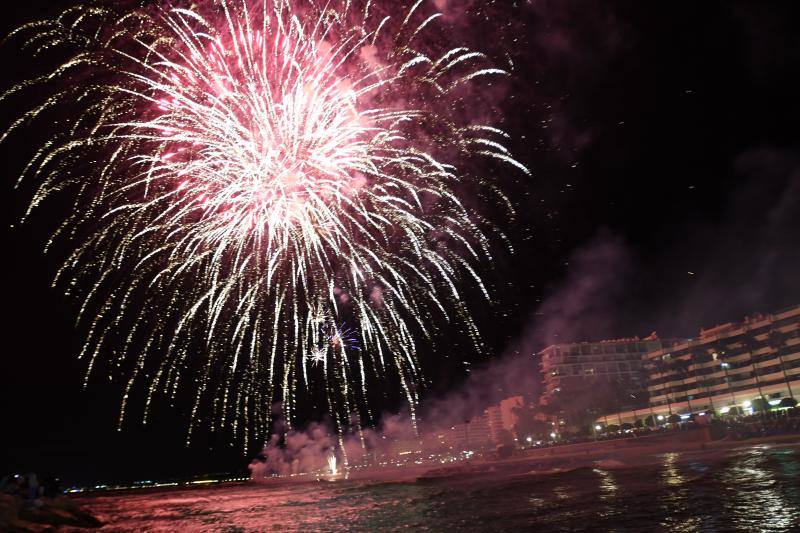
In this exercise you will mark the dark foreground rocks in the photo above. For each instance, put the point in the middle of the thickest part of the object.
(48, 514)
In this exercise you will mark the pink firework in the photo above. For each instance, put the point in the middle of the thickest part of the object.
(249, 174)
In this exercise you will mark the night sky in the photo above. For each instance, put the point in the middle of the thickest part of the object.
(664, 145)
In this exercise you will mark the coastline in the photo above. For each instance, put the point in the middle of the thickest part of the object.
(87, 510)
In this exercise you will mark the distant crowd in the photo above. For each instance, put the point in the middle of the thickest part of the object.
(768, 424)
(771, 423)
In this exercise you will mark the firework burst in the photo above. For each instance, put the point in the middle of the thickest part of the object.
(249, 175)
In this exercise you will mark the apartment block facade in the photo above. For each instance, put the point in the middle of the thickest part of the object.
(760, 355)
(727, 367)
(573, 368)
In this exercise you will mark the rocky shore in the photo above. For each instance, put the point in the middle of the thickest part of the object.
(44, 514)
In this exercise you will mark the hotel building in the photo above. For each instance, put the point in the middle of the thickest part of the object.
(574, 367)
(726, 369)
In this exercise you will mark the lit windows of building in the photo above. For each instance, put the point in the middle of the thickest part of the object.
(569, 367)
(737, 367)
(759, 357)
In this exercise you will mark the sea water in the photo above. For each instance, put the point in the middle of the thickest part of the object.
(755, 488)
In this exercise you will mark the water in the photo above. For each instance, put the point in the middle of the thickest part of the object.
(749, 489)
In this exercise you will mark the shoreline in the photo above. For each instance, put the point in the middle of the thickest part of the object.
(487, 495)
(71, 510)
(583, 454)
(546, 459)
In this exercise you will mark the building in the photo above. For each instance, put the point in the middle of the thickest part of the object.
(728, 367)
(495, 421)
(471, 435)
(482, 432)
(502, 417)
(593, 369)
(478, 434)
(402, 447)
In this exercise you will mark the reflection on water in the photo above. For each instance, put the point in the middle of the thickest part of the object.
(670, 474)
(760, 472)
(608, 487)
(750, 489)
(563, 492)
(607, 492)
(674, 496)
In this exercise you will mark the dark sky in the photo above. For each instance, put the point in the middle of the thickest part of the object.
(665, 150)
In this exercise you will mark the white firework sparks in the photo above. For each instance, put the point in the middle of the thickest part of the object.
(317, 355)
(247, 175)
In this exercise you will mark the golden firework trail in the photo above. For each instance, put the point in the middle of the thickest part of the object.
(265, 196)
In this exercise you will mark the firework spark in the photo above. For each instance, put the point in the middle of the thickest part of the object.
(317, 355)
(332, 468)
(248, 175)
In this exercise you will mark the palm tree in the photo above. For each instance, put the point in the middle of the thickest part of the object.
(698, 360)
(622, 396)
(681, 366)
(776, 341)
(750, 345)
(649, 366)
(662, 367)
(720, 355)
(635, 413)
(553, 410)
